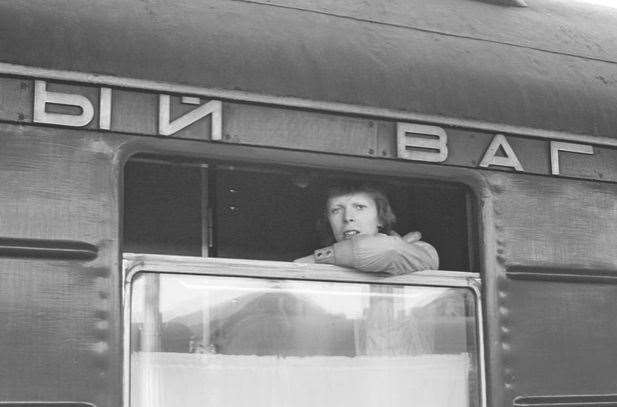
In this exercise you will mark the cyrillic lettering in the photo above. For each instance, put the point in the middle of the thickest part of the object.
(510, 159)
(557, 146)
(105, 109)
(167, 127)
(42, 97)
(421, 142)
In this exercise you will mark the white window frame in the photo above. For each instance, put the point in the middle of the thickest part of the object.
(133, 264)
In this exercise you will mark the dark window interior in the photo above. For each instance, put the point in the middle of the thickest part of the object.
(162, 211)
(270, 213)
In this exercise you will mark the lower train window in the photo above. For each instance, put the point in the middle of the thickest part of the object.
(225, 334)
(231, 210)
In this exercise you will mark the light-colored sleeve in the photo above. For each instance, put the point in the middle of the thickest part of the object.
(306, 259)
(380, 254)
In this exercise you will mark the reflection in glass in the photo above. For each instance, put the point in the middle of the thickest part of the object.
(227, 341)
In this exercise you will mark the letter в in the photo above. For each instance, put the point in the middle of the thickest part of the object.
(421, 143)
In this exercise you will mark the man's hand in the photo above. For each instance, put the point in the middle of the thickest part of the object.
(409, 237)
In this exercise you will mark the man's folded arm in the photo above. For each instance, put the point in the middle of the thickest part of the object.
(380, 254)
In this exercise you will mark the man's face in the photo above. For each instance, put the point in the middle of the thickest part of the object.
(352, 214)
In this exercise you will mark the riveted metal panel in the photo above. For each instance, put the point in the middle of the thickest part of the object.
(553, 286)
(15, 99)
(297, 129)
(59, 298)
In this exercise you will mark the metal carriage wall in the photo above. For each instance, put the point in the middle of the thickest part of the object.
(539, 235)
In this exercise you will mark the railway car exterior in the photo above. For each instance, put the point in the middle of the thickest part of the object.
(162, 165)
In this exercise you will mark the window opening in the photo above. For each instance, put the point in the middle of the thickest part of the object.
(163, 208)
(270, 213)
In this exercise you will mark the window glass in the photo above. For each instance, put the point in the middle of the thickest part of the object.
(235, 341)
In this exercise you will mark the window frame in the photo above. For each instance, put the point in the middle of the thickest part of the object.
(134, 264)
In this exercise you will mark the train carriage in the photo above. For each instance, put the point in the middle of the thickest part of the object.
(163, 164)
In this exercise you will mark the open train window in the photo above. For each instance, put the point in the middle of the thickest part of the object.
(238, 211)
(204, 324)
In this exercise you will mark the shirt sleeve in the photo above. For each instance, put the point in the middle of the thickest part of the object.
(380, 254)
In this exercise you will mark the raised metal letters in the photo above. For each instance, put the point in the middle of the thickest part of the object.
(167, 127)
(557, 146)
(105, 109)
(422, 143)
(510, 159)
(138, 112)
(42, 97)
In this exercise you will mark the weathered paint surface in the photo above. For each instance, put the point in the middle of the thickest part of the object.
(554, 335)
(523, 27)
(542, 67)
(59, 316)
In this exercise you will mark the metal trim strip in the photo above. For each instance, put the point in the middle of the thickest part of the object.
(161, 263)
(600, 400)
(46, 404)
(572, 273)
(506, 3)
(294, 102)
(48, 249)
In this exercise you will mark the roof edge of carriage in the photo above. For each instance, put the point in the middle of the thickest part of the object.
(482, 68)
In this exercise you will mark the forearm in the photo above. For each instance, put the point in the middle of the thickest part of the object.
(384, 254)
